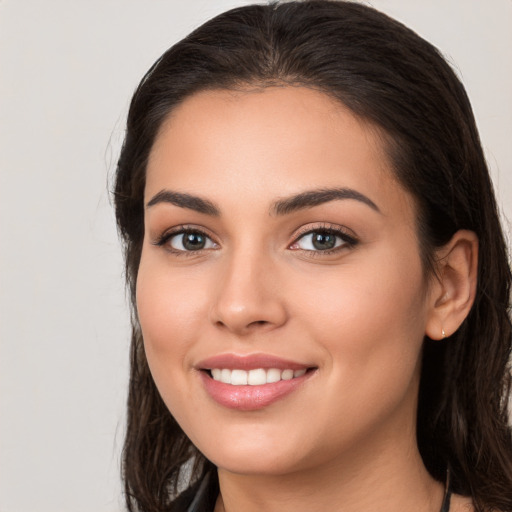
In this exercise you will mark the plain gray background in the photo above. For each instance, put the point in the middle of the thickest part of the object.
(67, 71)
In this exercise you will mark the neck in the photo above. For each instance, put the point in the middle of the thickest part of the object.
(365, 480)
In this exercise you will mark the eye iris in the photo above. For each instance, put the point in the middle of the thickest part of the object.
(193, 241)
(323, 241)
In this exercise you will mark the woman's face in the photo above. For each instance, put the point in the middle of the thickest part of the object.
(280, 293)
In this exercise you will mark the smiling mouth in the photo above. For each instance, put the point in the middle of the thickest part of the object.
(249, 383)
(255, 377)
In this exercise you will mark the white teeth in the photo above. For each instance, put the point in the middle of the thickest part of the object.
(225, 376)
(287, 374)
(256, 377)
(273, 375)
(238, 377)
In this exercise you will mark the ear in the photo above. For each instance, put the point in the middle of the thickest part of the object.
(453, 288)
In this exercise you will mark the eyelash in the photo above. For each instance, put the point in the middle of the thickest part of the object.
(349, 241)
(163, 239)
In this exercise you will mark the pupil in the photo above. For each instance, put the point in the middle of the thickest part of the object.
(193, 241)
(324, 241)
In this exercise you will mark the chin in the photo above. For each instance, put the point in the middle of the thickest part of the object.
(250, 457)
(267, 465)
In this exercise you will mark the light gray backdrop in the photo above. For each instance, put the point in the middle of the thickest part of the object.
(67, 71)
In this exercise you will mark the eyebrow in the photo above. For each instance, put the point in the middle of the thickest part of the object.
(182, 200)
(311, 198)
(302, 201)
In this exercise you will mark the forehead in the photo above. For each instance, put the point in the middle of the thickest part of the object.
(261, 144)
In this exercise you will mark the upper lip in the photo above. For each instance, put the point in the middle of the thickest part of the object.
(249, 362)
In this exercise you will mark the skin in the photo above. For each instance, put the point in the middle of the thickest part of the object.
(357, 315)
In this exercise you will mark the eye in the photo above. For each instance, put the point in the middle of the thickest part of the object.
(190, 241)
(323, 240)
(186, 240)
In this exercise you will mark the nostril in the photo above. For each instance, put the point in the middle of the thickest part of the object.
(258, 322)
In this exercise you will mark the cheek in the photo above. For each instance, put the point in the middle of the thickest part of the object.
(370, 323)
(386, 294)
(168, 300)
(169, 308)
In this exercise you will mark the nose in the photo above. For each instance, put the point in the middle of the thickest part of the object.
(249, 297)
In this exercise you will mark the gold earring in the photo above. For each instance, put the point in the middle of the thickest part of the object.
(443, 334)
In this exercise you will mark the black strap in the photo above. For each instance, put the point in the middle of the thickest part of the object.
(445, 507)
(200, 495)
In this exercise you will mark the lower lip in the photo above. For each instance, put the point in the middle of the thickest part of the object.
(250, 398)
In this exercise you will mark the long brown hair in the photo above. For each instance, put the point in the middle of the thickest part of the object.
(386, 74)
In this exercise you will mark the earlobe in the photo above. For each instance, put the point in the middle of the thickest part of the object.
(453, 288)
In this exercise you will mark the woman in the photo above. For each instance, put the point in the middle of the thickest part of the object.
(318, 274)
